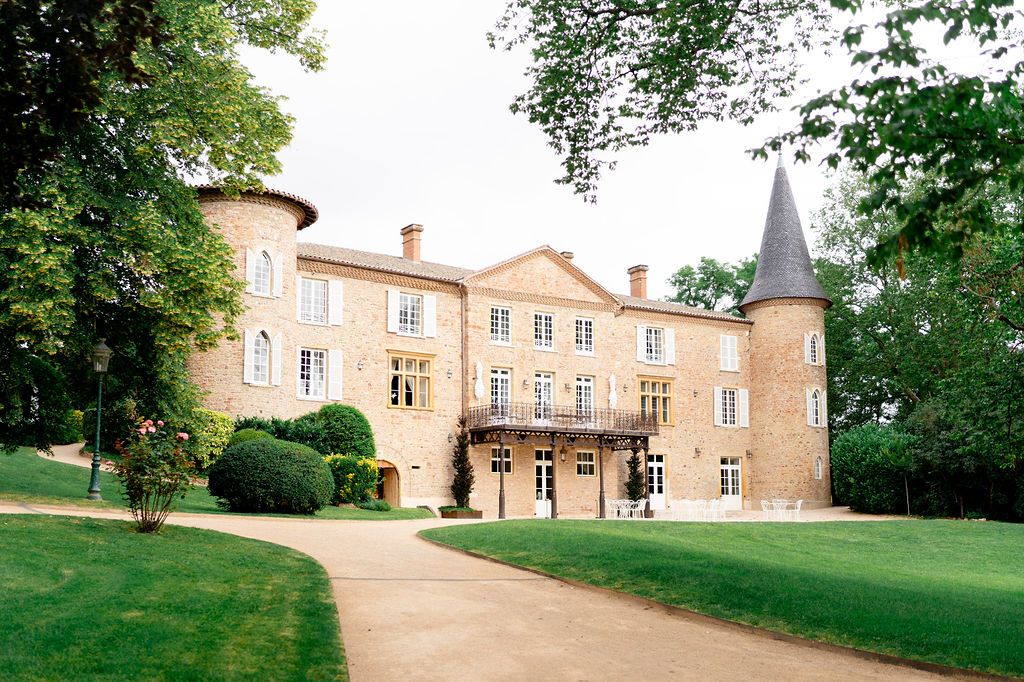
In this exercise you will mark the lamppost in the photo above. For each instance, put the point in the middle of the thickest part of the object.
(100, 359)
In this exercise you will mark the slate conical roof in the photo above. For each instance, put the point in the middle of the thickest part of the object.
(784, 267)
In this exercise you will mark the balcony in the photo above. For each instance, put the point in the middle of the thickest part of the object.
(619, 427)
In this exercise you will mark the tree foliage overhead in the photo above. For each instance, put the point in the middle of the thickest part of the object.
(609, 74)
(108, 239)
(713, 285)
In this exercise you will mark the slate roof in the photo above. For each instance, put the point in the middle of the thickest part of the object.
(381, 262)
(676, 309)
(784, 267)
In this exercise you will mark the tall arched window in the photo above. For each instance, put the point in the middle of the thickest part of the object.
(815, 407)
(818, 466)
(261, 359)
(813, 359)
(261, 274)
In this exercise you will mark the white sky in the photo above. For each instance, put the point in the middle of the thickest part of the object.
(409, 123)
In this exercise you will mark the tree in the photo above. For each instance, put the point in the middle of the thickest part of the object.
(636, 478)
(463, 477)
(713, 285)
(610, 74)
(109, 239)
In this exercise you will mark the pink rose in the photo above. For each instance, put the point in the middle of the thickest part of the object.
(142, 431)
(151, 429)
(148, 422)
(159, 422)
(183, 436)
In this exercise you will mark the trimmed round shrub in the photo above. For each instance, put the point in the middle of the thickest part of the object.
(257, 423)
(246, 435)
(342, 428)
(355, 478)
(270, 475)
(868, 464)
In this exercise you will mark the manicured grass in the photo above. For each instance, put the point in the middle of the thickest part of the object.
(91, 599)
(949, 592)
(26, 477)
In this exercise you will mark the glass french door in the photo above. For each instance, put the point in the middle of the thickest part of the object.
(543, 395)
(732, 496)
(585, 399)
(656, 480)
(542, 477)
(501, 391)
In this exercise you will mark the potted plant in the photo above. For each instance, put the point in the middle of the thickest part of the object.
(462, 478)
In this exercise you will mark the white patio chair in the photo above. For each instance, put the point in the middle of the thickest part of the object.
(766, 510)
(793, 514)
(779, 508)
(700, 510)
(637, 509)
(716, 510)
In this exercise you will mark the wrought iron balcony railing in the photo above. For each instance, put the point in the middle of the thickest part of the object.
(559, 418)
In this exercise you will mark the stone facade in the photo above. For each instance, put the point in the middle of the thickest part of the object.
(774, 450)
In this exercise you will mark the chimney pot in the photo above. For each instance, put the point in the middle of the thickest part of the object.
(411, 241)
(638, 281)
(567, 255)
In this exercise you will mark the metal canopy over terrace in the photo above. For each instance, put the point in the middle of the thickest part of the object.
(515, 423)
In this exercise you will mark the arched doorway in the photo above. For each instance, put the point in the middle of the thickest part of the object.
(388, 488)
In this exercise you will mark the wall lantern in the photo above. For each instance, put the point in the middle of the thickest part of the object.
(360, 365)
(562, 453)
(449, 374)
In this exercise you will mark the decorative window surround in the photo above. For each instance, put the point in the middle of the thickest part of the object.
(656, 398)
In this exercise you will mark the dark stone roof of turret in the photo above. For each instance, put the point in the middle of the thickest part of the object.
(784, 267)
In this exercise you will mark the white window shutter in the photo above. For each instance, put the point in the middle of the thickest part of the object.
(430, 316)
(275, 360)
(744, 407)
(298, 370)
(334, 369)
(821, 349)
(670, 346)
(278, 275)
(335, 302)
(723, 352)
(641, 343)
(807, 348)
(248, 350)
(810, 412)
(823, 409)
(250, 269)
(393, 311)
(718, 406)
(298, 297)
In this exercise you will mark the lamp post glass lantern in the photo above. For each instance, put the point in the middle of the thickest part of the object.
(100, 360)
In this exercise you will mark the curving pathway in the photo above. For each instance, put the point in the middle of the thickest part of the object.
(414, 611)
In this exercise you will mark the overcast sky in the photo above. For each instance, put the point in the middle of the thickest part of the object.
(409, 123)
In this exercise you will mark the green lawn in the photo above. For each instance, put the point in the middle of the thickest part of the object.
(91, 599)
(949, 592)
(26, 477)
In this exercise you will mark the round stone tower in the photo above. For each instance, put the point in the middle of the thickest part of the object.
(788, 416)
(261, 229)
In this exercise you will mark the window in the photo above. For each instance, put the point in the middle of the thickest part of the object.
(544, 331)
(730, 361)
(496, 461)
(313, 301)
(656, 345)
(815, 411)
(312, 373)
(501, 387)
(501, 325)
(814, 349)
(656, 399)
(410, 382)
(729, 407)
(584, 336)
(410, 314)
(261, 274)
(818, 466)
(261, 359)
(585, 464)
(732, 407)
(585, 396)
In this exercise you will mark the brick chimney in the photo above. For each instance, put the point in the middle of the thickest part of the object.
(411, 241)
(638, 281)
(567, 255)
